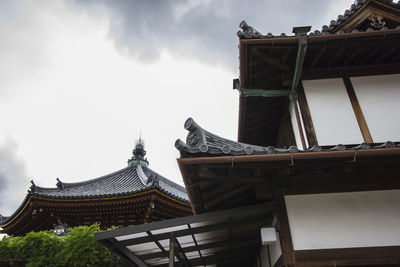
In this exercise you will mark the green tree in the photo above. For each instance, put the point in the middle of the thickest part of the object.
(44, 248)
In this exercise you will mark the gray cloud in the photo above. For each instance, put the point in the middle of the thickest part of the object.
(205, 30)
(13, 180)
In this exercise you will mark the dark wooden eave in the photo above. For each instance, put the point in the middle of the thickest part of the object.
(268, 64)
(216, 183)
(41, 213)
(220, 173)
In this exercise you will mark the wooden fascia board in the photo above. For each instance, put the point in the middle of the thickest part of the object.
(365, 256)
(33, 200)
(356, 71)
(288, 157)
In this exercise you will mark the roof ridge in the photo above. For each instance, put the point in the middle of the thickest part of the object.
(200, 141)
(161, 178)
(74, 184)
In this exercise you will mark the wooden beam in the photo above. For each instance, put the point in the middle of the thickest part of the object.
(353, 71)
(272, 61)
(387, 52)
(288, 256)
(334, 57)
(353, 55)
(357, 110)
(306, 116)
(342, 182)
(215, 201)
(367, 256)
(316, 58)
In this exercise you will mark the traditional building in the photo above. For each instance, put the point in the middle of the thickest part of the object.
(133, 195)
(314, 178)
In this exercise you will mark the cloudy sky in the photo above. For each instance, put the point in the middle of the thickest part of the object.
(80, 80)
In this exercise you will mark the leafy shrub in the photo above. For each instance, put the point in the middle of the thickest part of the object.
(77, 248)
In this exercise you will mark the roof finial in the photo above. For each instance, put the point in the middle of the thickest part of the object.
(139, 154)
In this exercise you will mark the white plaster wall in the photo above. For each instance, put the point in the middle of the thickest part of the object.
(343, 220)
(379, 98)
(331, 111)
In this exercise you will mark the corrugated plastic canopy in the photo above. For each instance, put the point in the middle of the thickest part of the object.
(228, 237)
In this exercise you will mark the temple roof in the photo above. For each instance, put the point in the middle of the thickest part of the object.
(201, 141)
(132, 179)
(376, 22)
(3, 218)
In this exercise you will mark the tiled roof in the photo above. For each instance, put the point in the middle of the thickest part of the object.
(248, 32)
(3, 218)
(130, 180)
(201, 141)
(350, 12)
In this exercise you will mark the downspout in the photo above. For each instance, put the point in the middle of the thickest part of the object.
(301, 33)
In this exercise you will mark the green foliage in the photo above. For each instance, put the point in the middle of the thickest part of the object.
(77, 248)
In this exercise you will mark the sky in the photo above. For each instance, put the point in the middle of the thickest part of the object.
(80, 81)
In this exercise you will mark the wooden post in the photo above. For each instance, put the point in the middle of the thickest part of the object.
(357, 111)
(171, 250)
(288, 257)
(306, 116)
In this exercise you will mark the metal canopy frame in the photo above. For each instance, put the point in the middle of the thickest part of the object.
(228, 236)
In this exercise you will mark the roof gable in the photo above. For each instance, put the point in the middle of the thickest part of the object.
(366, 15)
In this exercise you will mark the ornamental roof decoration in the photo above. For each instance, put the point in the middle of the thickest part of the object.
(374, 21)
(139, 154)
(200, 141)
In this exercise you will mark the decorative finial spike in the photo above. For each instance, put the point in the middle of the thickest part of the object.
(139, 154)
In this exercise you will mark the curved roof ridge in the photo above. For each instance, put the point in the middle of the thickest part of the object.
(142, 176)
(159, 177)
(200, 141)
(75, 184)
(165, 185)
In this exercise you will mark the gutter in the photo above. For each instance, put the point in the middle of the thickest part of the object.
(301, 33)
(258, 92)
(321, 155)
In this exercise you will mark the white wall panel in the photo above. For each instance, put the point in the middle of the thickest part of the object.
(379, 98)
(331, 111)
(343, 220)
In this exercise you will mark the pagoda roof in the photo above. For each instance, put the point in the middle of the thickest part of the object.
(130, 180)
(3, 218)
